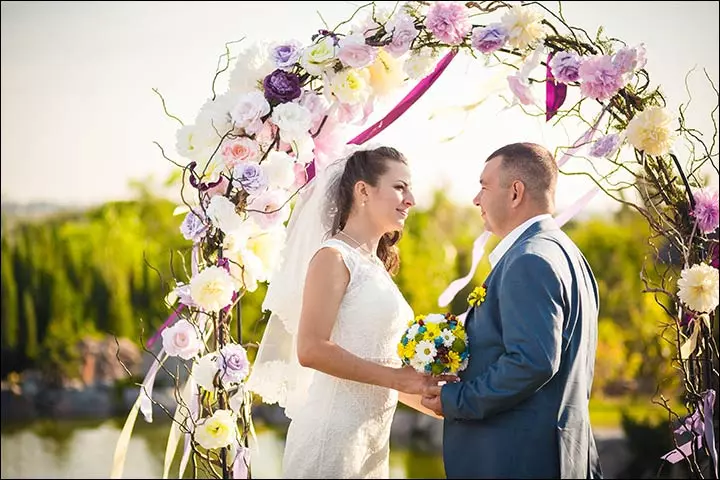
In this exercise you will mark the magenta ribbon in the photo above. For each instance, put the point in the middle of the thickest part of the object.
(555, 92)
(406, 102)
(402, 106)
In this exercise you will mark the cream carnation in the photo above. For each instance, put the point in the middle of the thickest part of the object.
(650, 131)
(698, 287)
(524, 26)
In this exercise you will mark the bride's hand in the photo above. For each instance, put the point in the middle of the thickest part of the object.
(411, 381)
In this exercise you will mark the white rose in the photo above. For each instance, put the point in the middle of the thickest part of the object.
(418, 65)
(318, 57)
(278, 168)
(293, 120)
(212, 289)
(217, 431)
(221, 213)
(204, 371)
(351, 86)
(249, 110)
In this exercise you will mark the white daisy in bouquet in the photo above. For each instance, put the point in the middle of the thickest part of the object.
(435, 344)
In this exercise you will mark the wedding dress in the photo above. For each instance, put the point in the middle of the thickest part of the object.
(343, 429)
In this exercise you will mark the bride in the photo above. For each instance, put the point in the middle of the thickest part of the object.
(328, 355)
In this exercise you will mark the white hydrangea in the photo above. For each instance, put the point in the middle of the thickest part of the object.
(253, 64)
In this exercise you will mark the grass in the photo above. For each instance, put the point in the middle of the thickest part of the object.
(607, 413)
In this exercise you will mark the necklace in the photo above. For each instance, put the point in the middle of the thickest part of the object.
(373, 256)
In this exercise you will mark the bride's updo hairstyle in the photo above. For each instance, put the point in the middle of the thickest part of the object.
(367, 166)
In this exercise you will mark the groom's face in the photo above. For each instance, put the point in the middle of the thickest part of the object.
(493, 198)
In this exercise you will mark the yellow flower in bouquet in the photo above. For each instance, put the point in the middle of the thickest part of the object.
(435, 344)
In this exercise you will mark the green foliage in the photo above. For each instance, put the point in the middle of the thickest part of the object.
(108, 270)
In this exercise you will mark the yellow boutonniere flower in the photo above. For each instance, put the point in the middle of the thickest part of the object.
(477, 296)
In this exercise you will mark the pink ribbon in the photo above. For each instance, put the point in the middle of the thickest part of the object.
(583, 140)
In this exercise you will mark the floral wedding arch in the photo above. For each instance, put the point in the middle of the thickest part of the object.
(253, 148)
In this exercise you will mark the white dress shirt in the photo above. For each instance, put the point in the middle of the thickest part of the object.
(507, 242)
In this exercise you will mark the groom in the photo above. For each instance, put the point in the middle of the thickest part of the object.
(520, 409)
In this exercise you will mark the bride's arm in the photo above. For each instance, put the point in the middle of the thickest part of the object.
(413, 401)
(325, 285)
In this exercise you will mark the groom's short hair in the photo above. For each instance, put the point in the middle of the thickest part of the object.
(532, 164)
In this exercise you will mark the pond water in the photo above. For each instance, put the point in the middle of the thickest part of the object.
(84, 449)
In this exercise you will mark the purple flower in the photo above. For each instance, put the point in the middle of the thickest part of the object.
(233, 363)
(281, 87)
(715, 256)
(448, 21)
(490, 38)
(565, 66)
(605, 146)
(286, 54)
(627, 60)
(706, 211)
(193, 227)
(250, 177)
(600, 79)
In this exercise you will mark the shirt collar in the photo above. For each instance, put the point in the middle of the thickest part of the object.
(508, 241)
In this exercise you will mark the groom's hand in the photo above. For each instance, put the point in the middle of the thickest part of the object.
(431, 399)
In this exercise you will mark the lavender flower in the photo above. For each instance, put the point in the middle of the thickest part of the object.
(233, 363)
(490, 38)
(250, 177)
(286, 55)
(706, 211)
(605, 146)
(281, 87)
(193, 227)
(565, 66)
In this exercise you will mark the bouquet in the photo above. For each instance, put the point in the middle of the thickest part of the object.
(435, 344)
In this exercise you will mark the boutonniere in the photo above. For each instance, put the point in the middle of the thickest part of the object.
(477, 296)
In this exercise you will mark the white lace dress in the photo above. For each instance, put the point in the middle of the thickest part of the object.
(343, 431)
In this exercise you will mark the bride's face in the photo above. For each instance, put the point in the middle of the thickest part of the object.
(389, 202)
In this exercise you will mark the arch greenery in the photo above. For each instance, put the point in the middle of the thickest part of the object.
(254, 146)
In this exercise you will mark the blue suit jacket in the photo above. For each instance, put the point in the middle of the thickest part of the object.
(521, 407)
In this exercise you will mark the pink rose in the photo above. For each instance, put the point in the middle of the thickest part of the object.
(239, 150)
(355, 53)
(181, 340)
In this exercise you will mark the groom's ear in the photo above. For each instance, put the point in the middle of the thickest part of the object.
(518, 192)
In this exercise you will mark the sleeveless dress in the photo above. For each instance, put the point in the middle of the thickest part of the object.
(343, 431)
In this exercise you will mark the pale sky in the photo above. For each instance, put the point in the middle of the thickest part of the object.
(79, 115)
